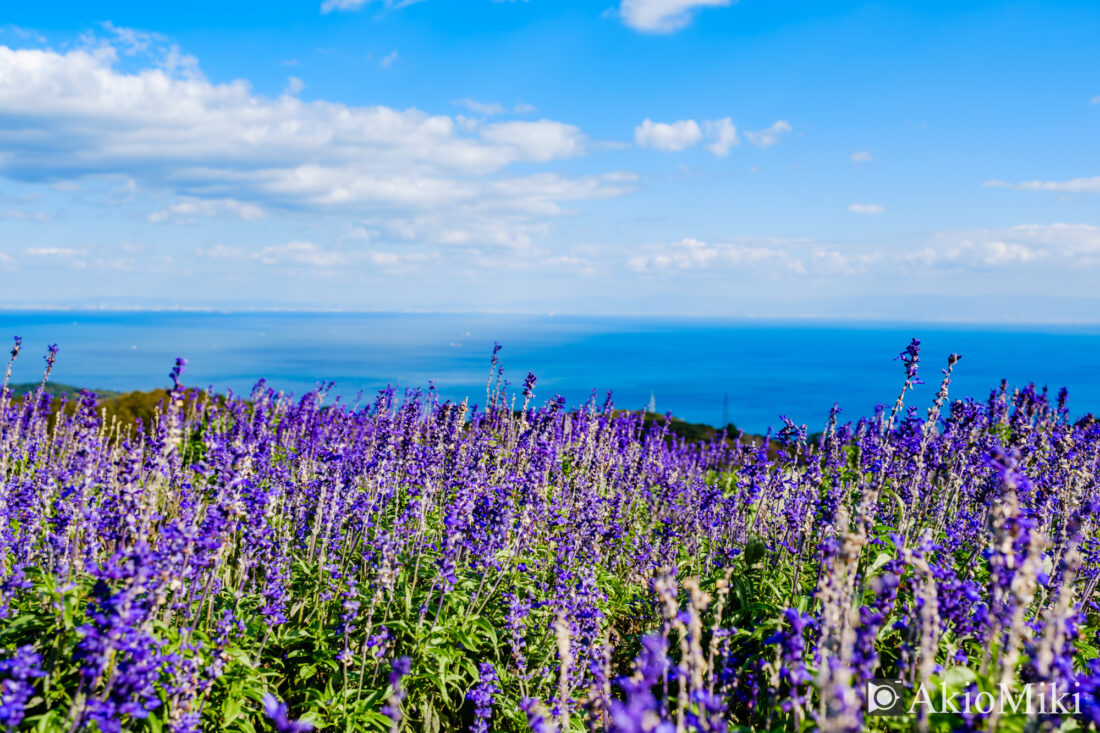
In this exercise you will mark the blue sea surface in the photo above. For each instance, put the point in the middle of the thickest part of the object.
(703, 370)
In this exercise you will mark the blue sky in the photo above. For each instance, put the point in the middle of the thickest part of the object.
(926, 160)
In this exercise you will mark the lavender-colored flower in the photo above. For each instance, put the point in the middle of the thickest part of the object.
(234, 533)
(482, 696)
(537, 719)
(277, 713)
(399, 669)
(16, 685)
(910, 357)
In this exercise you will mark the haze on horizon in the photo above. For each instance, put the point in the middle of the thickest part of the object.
(927, 160)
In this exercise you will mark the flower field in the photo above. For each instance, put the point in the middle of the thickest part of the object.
(263, 562)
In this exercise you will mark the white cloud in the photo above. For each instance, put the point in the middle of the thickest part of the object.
(62, 252)
(581, 265)
(761, 256)
(663, 16)
(388, 60)
(678, 135)
(1076, 245)
(1056, 246)
(120, 257)
(683, 134)
(538, 141)
(769, 136)
(329, 5)
(165, 128)
(512, 213)
(23, 33)
(866, 208)
(307, 254)
(303, 253)
(1075, 185)
(294, 86)
(223, 252)
(1096, 99)
(724, 134)
(977, 254)
(862, 156)
(482, 108)
(1071, 239)
(189, 208)
(24, 215)
(490, 109)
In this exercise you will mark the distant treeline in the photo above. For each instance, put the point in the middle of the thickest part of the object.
(694, 432)
(127, 407)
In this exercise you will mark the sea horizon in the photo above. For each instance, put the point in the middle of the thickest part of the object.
(745, 371)
(826, 319)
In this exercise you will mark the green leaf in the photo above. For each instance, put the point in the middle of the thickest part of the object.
(958, 676)
(879, 562)
(431, 718)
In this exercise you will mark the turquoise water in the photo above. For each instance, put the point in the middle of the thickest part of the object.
(700, 369)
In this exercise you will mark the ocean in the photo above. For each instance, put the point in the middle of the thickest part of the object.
(702, 370)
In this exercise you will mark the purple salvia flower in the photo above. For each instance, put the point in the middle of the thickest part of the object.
(277, 713)
(482, 695)
(16, 686)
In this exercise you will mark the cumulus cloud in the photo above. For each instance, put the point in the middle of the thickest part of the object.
(663, 16)
(303, 253)
(866, 208)
(976, 254)
(770, 135)
(64, 252)
(984, 250)
(190, 208)
(122, 257)
(1070, 244)
(294, 86)
(514, 212)
(24, 215)
(861, 156)
(330, 5)
(539, 141)
(482, 108)
(1075, 185)
(758, 255)
(491, 109)
(694, 254)
(678, 135)
(298, 253)
(724, 135)
(25, 34)
(166, 128)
